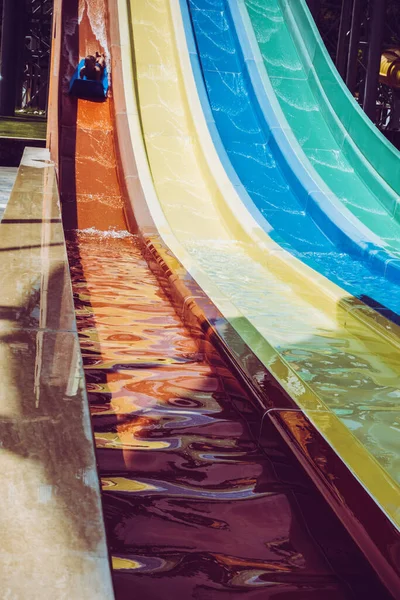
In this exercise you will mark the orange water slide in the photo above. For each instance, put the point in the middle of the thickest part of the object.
(81, 132)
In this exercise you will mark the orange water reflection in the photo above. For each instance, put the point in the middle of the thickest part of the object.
(191, 502)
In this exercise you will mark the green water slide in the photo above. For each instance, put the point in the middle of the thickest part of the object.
(342, 149)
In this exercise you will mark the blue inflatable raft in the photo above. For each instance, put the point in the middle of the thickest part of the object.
(88, 89)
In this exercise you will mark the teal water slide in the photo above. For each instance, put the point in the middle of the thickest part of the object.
(343, 151)
(336, 102)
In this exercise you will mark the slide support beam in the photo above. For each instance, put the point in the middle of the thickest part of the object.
(377, 25)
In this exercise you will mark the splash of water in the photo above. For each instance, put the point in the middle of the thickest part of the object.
(97, 13)
(109, 233)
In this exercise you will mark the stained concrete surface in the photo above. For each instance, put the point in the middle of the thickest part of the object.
(7, 179)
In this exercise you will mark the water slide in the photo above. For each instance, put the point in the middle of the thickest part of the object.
(345, 154)
(296, 322)
(257, 145)
(183, 481)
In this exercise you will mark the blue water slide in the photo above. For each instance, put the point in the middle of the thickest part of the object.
(258, 157)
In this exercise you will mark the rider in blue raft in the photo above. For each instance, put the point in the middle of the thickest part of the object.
(94, 67)
(90, 79)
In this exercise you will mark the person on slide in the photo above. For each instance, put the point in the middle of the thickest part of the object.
(94, 67)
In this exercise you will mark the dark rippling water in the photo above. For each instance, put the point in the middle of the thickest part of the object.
(193, 507)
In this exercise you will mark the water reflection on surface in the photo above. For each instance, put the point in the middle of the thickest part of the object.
(193, 507)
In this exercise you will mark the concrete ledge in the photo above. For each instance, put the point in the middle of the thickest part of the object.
(51, 523)
(7, 179)
(12, 149)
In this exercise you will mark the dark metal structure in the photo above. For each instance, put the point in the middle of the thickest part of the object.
(12, 41)
(378, 12)
(25, 54)
(356, 33)
(37, 53)
(358, 11)
(315, 6)
(344, 28)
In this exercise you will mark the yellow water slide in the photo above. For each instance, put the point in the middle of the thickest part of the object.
(331, 353)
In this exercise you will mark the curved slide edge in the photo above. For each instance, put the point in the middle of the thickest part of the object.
(196, 308)
(370, 142)
(339, 224)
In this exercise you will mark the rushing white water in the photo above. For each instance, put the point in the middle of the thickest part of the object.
(109, 233)
(97, 14)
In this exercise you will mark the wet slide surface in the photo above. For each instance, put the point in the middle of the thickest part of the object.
(295, 323)
(247, 139)
(192, 505)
